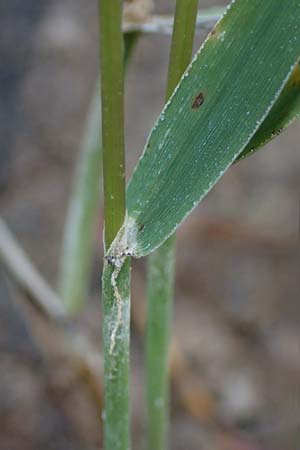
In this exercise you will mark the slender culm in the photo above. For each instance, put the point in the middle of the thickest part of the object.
(115, 289)
(162, 261)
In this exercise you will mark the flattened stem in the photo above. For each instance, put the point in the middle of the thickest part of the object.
(115, 290)
(116, 323)
(112, 92)
(160, 285)
(182, 42)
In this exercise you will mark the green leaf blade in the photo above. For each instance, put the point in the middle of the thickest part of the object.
(219, 104)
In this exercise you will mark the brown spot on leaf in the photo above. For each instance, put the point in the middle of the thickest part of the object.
(215, 32)
(198, 101)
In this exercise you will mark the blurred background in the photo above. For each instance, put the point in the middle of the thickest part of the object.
(236, 371)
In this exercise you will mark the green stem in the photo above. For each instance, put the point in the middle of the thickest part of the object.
(84, 206)
(182, 41)
(112, 92)
(159, 312)
(116, 286)
(162, 262)
(116, 334)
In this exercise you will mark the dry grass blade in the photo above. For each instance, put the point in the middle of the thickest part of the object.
(27, 277)
(45, 314)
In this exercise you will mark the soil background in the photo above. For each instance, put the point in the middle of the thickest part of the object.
(237, 309)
